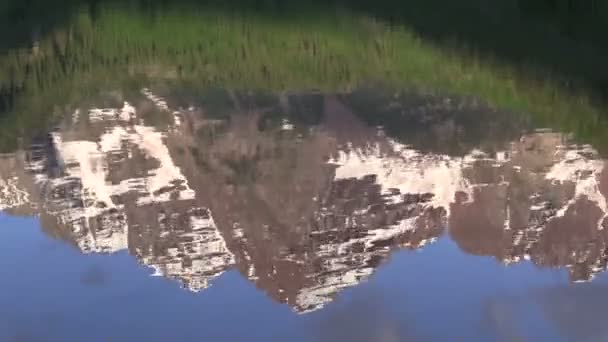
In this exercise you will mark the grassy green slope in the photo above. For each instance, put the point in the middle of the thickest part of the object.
(333, 50)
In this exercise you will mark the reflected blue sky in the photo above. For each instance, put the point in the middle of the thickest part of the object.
(44, 297)
(50, 291)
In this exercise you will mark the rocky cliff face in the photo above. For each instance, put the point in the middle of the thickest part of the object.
(12, 194)
(545, 202)
(297, 230)
(106, 182)
(299, 194)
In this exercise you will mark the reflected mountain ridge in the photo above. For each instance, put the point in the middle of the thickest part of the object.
(301, 194)
(102, 195)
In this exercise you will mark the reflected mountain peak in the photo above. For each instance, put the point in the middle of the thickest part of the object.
(300, 193)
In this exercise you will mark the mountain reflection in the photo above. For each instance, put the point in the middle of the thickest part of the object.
(305, 193)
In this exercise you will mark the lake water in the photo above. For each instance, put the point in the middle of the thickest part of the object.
(189, 173)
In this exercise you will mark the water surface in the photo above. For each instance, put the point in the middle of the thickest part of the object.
(259, 178)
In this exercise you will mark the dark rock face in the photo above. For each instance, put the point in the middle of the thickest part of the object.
(545, 204)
